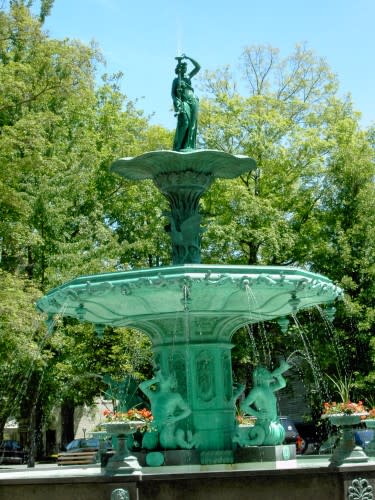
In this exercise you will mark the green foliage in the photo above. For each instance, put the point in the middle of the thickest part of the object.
(20, 336)
(279, 124)
(342, 386)
(309, 203)
(59, 132)
(81, 359)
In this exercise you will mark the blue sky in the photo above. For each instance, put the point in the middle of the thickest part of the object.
(141, 39)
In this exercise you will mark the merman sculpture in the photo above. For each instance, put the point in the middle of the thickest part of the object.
(168, 407)
(185, 104)
(261, 403)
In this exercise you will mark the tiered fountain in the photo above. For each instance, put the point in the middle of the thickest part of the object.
(189, 310)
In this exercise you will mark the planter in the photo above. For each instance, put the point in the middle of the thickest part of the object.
(99, 434)
(370, 448)
(123, 428)
(341, 420)
(347, 451)
(370, 423)
(121, 461)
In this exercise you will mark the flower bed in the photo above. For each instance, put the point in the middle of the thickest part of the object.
(143, 415)
(346, 408)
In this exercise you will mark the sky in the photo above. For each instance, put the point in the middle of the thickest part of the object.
(142, 37)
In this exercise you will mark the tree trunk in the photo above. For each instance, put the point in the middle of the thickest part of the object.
(2, 425)
(67, 422)
(252, 254)
(31, 440)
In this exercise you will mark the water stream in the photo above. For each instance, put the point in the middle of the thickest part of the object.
(310, 356)
(341, 361)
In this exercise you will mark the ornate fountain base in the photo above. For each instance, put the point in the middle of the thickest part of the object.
(190, 313)
(278, 453)
(122, 465)
(186, 457)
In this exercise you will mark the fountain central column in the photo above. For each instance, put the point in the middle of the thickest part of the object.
(203, 371)
(183, 191)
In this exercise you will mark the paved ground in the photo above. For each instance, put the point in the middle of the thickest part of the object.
(46, 470)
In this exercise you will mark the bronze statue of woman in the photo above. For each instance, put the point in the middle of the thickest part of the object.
(185, 104)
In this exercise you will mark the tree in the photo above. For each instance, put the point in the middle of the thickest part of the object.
(310, 201)
(346, 230)
(82, 359)
(21, 343)
(279, 125)
(58, 135)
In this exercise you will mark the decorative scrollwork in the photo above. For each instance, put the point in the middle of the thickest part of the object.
(120, 494)
(360, 489)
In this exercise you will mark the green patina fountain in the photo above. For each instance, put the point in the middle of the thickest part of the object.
(190, 310)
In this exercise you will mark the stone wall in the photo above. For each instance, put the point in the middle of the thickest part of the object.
(202, 483)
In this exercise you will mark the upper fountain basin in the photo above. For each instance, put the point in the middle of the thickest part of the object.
(217, 164)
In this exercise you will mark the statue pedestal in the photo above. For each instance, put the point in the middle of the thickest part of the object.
(171, 457)
(278, 453)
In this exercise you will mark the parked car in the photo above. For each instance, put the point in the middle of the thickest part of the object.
(313, 435)
(11, 452)
(292, 435)
(362, 437)
(82, 452)
(83, 445)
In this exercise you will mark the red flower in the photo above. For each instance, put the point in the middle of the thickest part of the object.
(143, 415)
(347, 408)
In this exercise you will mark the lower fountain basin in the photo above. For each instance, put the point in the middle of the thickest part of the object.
(251, 293)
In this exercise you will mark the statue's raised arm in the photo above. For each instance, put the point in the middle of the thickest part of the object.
(185, 104)
(196, 65)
